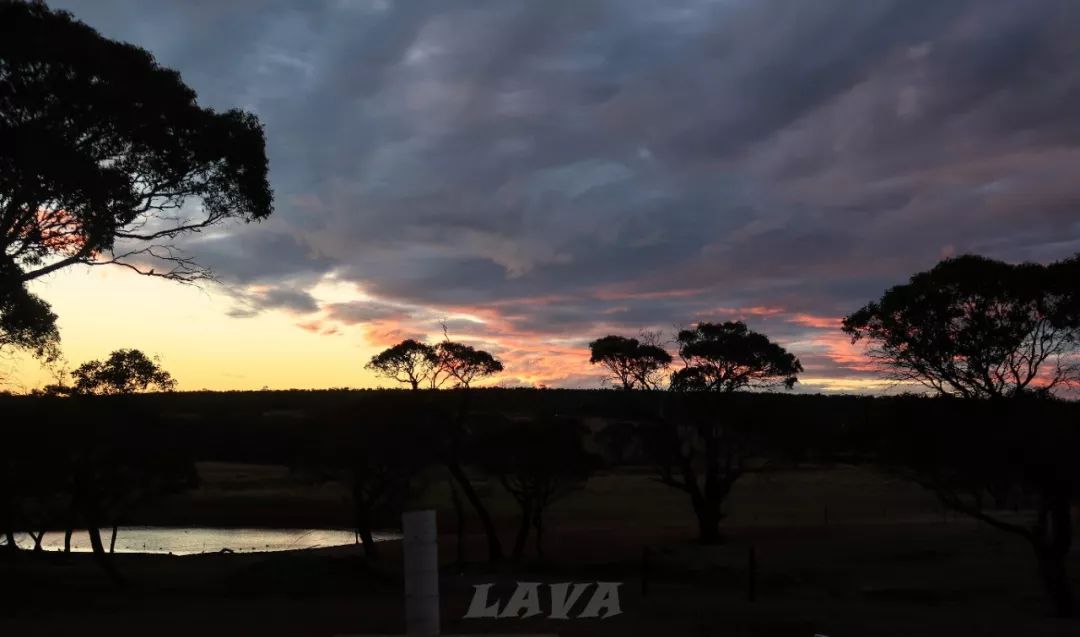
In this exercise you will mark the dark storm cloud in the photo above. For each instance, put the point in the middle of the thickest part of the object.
(474, 157)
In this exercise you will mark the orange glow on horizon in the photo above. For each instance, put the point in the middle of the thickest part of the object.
(287, 349)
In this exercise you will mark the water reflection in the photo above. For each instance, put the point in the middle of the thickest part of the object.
(188, 541)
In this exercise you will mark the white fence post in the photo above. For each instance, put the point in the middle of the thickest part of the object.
(421, 549)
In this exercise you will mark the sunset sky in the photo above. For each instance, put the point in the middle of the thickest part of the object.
(538, 174)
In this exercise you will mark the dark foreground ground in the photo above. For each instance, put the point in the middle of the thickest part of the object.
(878, 561)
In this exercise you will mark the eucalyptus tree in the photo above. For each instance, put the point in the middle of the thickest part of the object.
(700, 445)
(107, 158)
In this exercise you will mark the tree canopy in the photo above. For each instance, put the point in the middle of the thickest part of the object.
(125, 371)
(106, 158)
(27, 322)
(977, 328)
(630, 362)
(729, 356)
(464, 363)
(416, 363)
(410, 361)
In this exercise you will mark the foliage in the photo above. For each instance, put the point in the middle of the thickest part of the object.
(106, 158)
(728, 356)
(977, 328)
(417, 363)
(464, 363)
(26, 321)
(409, 361)
(125, 371)
(630, 362)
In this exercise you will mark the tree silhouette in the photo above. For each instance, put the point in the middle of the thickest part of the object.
(698, 447)
(106, 158)
(538, 462)
(728, 356)
(982, 458)
(376, 461)
(630, 362)
(982, 329)
(125, 371)
(465, 363)
(977, 328)
(96, 460)
(409, 361)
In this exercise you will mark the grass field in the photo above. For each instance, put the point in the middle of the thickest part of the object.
(840, 551)
(261, 495)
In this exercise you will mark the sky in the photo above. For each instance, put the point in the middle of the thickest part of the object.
(538, 174)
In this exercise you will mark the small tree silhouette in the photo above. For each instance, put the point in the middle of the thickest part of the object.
(726, 357)
(464, 363)
(630, 362)
(409, 361)
(125, 371)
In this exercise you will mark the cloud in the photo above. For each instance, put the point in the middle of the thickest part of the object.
(542, 173)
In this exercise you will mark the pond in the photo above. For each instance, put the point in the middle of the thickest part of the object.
(190, 541)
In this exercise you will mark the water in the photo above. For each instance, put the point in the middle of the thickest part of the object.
(190, 541)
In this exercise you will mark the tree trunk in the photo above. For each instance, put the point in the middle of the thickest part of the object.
(101, 556)
(523, 531)
(12, 547)
(1052, 540)
(708, 525)
(368, 540)
(538, 524)
(37, 540)
(1055, 580)
(495, 552)
(67, 538)
(112, 540)
(453, 463)
(362, 519)
(459, 522)
(702, 497)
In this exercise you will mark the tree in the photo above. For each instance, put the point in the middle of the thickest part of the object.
(375, 461)
(464, 363)
(409, 361)
(106, 158)
(630, 362)
(1010, 464)
(696, 434)
(977, 328)
(729, 356)
(1063, 283)
(538, 462)
(125, 371)
(26, 321)
(88, 462)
